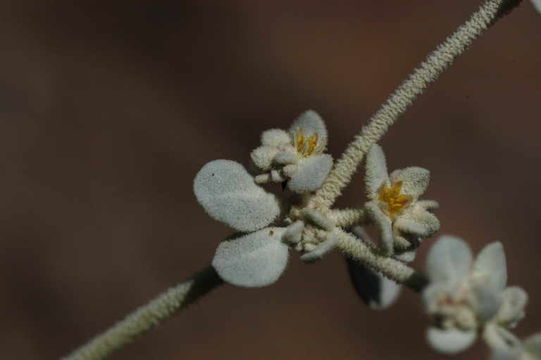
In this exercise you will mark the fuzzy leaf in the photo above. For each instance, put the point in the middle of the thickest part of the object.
(254, 260)
(229, 194)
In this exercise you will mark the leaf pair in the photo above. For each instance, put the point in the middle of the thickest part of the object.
(256, 256)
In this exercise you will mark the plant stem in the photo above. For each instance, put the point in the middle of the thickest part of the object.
(345, 218)
(148, 316)
(387, 266)
(397, 103)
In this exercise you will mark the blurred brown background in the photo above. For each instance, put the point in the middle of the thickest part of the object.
(109, 108)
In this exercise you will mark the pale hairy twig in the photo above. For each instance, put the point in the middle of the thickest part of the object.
(346, 218)
(397, 103)
(148, 316)
(176, 298)
(387, 266)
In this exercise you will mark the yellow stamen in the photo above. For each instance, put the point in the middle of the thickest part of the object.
(305, 146)
(393, 199)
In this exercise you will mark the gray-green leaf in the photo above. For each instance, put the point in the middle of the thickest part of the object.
(254, 260)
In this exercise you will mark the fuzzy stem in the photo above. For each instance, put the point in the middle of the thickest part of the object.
(397, 103)
(148, 316)
(346, 218)
(388, 267)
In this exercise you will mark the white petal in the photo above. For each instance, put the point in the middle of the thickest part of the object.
(384, 225)
(489, 266)
(376, 171)
(310, 123)
(253, 260)
(504, 344)
(373, 288)
(485, 300)
(450, 341)
(417, 221)
(229, 194)
(514, 300)
(414, 180)
(311, 173)
(449, 260)
(263, 156)
(275, 138)
(533, 345)
(537, 5)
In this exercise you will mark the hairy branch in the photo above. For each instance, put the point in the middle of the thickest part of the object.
(387, 266)
(397, 103)
(148, 316)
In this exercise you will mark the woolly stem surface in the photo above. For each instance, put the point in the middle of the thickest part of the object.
(148, 316)
(387, 266)
(406, 93)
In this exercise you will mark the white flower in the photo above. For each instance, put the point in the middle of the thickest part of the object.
(506, 346)
(537, 5)
(464, 295)
(394, 205)
(295, 157)
(229, 194)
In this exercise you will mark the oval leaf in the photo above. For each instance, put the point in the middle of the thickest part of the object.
(254, 260)
(229, 194)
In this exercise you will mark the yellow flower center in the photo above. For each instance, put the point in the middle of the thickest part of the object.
(305, 145)
(393, 199)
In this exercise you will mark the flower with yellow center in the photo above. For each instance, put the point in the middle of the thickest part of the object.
(295, 158)
(392, 199)
(305, 145)
(394, 206)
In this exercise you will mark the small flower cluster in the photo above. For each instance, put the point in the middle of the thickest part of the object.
(296, 158)
(464, 297)
(256, 255)
(394, 206)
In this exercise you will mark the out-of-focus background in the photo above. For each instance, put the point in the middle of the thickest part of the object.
(108, 109)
